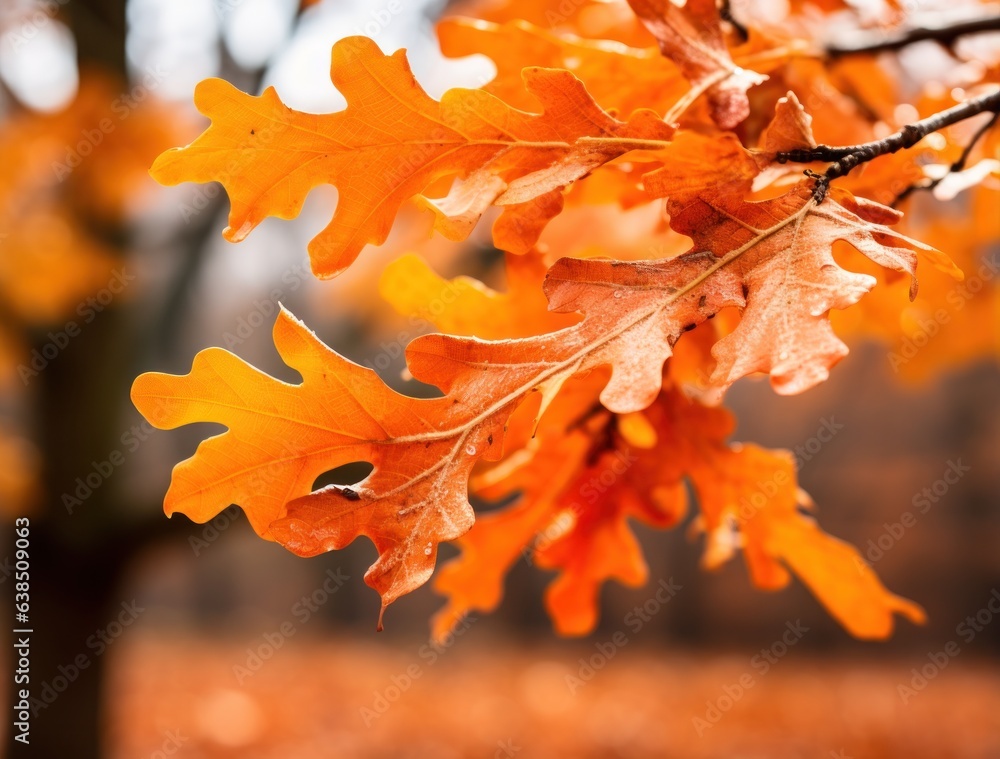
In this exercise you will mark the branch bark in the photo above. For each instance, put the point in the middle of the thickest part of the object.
(946, 34)
(957, 166)
(846, 158)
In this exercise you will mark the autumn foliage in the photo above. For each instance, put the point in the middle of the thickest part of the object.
(611, 349)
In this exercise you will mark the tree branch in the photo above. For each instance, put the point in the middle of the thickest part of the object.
(957, 166)
(848, 157)
(946, 34)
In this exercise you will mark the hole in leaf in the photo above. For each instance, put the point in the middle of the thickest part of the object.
(348, 474)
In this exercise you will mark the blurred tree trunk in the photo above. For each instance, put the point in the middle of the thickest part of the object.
(77, 558)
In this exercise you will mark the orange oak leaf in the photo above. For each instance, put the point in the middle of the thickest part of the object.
(589, 539)
(542, 456)
(696, 163)
(791, 278)
(416, 496)
(520, 226)
(391, 143)
(281, 437)
(790, 129)
(840, 119)
(690, 34)
(617, 76)
(579, 525)
(474, 581)
(753, 491)
(944, 327)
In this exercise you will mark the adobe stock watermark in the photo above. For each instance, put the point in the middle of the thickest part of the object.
(764, 490)
(301, 612)
(32, 22)
(101, 471)
(806, 451)
(172, 742)
(213, 529)
(957, 298)
(96, 644)
(938, 661)
(562, 12)
(6, 569)
(760, 663)
(429, 654)
(88, 310)
(893, 532)
(635, 620)
(506, 749)
(379, 19)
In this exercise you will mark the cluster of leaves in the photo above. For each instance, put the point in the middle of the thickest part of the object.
(620, 367)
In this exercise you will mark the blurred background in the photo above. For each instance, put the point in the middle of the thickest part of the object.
(156, 637)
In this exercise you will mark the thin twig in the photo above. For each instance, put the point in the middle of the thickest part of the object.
(946, 34)
(958, 165)
(848, 157)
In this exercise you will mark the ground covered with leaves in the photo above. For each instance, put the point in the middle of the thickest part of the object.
(492, 699)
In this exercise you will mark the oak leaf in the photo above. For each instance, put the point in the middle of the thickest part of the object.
(690, 34)
(706, 164)
(391, 143)
(617, 76)
(791, 277)
(943, 327)
(753, 491)
(579, 525)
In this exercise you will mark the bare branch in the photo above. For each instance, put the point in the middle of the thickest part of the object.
(847, 157)
(957, 166)
(946, 34)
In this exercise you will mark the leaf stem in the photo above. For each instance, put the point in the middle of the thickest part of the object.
(687, 100)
